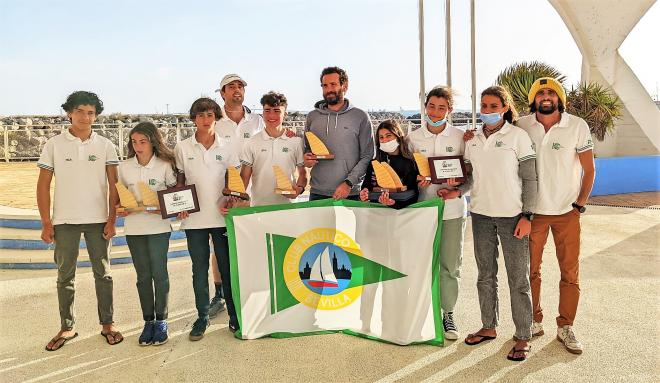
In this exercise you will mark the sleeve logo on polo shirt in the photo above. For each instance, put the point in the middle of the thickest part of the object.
(92, 157)
(499, 144)
(285, 150)
(533, 146)
(556, 146)
(449, 149)
(218, 157)
(246, 135)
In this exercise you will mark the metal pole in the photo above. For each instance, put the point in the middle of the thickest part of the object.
(422, 91)
(473, 67)
(448, 39)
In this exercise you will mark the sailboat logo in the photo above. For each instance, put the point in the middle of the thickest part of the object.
(322, 268)
(325, 268)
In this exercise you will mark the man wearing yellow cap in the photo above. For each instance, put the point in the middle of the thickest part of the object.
(565, 166)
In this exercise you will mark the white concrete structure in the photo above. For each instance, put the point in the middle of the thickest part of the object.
(599, 27)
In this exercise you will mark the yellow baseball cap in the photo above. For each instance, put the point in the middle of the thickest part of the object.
(547, 83)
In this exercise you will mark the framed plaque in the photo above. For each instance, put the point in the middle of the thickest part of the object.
(172, 201)
(443, 168)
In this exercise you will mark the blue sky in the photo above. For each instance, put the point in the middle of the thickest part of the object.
(140, 56)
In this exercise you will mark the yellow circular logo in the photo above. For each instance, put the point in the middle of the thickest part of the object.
(317, 269)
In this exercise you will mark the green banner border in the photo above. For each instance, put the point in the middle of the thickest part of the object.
(233, 260)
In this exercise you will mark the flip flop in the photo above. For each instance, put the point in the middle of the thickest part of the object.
(55, 340)
(113, 334)
(514, 351)
(483, 339)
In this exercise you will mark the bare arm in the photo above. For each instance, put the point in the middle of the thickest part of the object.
(43, 202)
(180, 180)
(302, 178)
(113, 201)
(588, 176)
(246, 174)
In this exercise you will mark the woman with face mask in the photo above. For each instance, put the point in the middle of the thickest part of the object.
(391, 147)
(435, 138)
(503, 164)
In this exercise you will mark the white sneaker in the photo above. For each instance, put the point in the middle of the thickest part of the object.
(567, 337)
(537, 329)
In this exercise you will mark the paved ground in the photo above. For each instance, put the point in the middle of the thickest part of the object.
(617, 322)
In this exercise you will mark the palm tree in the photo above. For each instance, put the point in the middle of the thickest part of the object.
(597, 105)
(519, 77)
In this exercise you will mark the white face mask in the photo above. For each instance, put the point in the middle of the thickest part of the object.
(389, 146)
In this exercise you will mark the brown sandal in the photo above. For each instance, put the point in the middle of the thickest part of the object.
(114, 335)
(54, 345)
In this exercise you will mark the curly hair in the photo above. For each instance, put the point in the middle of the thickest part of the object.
(273, 98)
(343, 77)
(82, 97)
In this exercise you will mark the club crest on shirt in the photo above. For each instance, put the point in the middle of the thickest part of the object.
(285, 150)
(92, 157)
(449, 149)
(218, 157)
(556, 145)
(499, 144)
(152, 182)
(246, 135)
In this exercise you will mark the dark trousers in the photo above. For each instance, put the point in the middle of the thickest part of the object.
(67, 244)
(149, 253)
(198, 247)
(316, 197)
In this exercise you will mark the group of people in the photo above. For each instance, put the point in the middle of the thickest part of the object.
(525, 177)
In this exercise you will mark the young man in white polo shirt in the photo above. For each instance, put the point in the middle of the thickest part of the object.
(566, 173)
(272, 147)
(85, 164)
(436, 137)
(202, 160)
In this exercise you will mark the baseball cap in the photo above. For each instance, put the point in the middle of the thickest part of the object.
(547, 83)
(230, 78)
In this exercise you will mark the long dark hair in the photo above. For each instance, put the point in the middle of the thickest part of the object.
(395, 129)
(504, 96)
(149, 130)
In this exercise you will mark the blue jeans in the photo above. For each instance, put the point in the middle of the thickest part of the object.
(485, 233)
(198, 247)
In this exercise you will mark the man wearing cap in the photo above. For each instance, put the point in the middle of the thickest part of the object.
(565, 165)
(237, 124)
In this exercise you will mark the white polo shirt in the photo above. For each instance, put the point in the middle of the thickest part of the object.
(81, 183)
(261, 152)
(497, 187)
(158, 175)
(448, 143)
(205, 168)
(557, 162)
(238, 134)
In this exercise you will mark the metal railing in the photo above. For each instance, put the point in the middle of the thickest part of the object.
(25, 143)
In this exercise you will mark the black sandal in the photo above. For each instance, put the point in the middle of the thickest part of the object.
(514, 351)
(483, 339)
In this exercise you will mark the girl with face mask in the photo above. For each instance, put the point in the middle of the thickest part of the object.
(503, 164)
(437, 137)
(391, 147)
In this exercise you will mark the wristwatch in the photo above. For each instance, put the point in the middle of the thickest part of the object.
(349, 183)
(579, 208)
(528, 215)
